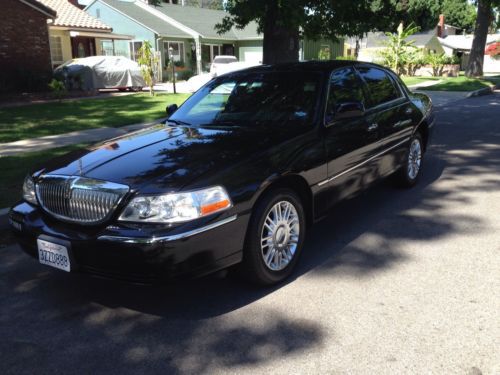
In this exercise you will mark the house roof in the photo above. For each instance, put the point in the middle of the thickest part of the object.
(145, 18)
(69, 15)
(203, 21)
(377, 39)
(464, 42)
(198, 20)
(49, 12)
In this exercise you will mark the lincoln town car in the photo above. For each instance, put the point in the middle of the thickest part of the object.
(232, 179)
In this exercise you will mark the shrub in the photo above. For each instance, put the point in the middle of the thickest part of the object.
(437, 61)
(58, 88)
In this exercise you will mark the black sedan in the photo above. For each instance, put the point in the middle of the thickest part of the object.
(233, 178)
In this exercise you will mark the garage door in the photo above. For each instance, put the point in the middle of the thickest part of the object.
(251, 54)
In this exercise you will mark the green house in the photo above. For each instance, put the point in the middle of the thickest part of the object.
(187, 35)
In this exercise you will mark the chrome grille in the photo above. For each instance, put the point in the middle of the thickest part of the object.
(78, 199)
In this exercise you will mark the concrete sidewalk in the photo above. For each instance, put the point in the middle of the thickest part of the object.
(67, 139)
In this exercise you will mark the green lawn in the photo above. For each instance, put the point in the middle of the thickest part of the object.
(38, 120)
(15, 168)
(464, 84)
(410, 81)
(461, 83)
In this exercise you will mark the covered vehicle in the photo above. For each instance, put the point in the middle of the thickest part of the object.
(101, 72)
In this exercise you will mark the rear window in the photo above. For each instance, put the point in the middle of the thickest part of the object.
(380, 85)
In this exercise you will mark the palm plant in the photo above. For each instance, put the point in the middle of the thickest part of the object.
(148, 61)
(398, 47)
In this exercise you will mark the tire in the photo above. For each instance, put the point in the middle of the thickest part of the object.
(410, 171)
(135, 88)
(285, 240)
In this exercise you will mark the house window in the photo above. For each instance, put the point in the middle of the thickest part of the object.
(56, 49)
(134, 50)
(97, 13)
(177, 51)
(107, 48)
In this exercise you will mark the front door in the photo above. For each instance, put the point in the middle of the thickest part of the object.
(82, 47)
(350, 140)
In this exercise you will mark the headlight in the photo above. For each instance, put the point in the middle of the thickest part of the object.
(177, 207)
(29, 190)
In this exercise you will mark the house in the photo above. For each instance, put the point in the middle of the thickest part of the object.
(373, 43)
(460, 45)
(75, 33)
(24, 45)
(187, 34)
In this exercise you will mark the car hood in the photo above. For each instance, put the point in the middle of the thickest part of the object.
(166, 158)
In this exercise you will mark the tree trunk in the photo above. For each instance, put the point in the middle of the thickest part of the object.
(280, 43)
(476, 60)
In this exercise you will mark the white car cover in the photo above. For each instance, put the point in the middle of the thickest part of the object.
(100, 72)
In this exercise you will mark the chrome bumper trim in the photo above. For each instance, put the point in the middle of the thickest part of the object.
(173, 237)
(363, 163)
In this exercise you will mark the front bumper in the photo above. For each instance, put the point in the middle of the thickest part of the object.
(145, 253)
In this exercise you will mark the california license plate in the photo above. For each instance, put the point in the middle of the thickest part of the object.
(54, 255)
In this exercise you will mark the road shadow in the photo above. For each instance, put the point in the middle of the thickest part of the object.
(53, 322)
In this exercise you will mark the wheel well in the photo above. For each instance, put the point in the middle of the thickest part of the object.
(298, 185)
(423, 129)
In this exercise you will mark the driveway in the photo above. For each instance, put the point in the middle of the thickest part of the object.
(393, 282)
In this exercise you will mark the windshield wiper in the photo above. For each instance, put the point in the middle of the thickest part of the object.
(178, 122)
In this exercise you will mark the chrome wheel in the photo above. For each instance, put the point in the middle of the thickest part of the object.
(280, 235)
(414, 159)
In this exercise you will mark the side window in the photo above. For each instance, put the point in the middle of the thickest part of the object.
(345, 87)
(381, 87)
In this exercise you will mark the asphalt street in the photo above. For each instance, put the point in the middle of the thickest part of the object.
(393, 282)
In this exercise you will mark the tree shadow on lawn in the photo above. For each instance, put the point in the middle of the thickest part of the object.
(53, 321)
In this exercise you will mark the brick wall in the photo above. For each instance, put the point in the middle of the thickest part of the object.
(24, 48)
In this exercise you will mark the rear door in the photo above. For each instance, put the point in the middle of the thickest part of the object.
(391, 112)
(350, 142)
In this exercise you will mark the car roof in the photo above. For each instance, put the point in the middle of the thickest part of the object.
(308, 66)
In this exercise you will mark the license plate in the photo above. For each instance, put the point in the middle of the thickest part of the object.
(54, 255)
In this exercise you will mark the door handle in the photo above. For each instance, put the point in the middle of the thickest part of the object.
(373, 127)
(409, 111)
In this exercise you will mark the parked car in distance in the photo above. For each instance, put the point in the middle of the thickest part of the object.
(221, 60)
(101, 72)
(233, 178)
(197, 81)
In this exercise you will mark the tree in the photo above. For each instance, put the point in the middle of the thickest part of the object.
(284, 22)
(148, 61)
(483, 22)
(460, 13)
(425, 13)
(421, 13)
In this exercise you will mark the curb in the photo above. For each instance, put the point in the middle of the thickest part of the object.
(483, 91)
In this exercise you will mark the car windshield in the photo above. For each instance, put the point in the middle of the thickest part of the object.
(252, 99)
(224, 60)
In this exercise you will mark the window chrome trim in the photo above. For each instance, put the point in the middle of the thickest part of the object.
(169, 238)
(362, 163)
